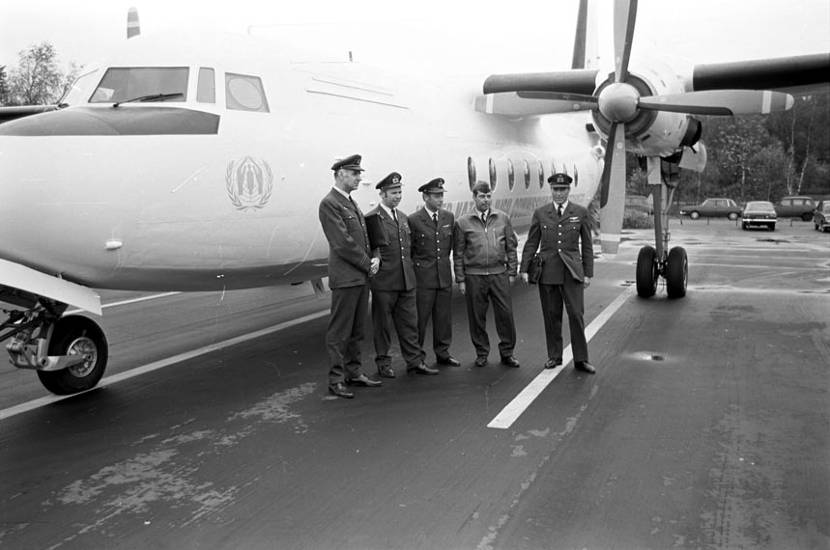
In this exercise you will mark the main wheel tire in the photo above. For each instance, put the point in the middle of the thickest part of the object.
(76, 335)
(647, 272)
(807, 216)
(744, 226)
(694, 215)
(733, 216)
(772, 227)
(677, 272)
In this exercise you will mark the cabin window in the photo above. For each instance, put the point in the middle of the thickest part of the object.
(541, 175)
(123, 84)
(471, 172)
(527, 174)
(206, 89)
(493, 179)
(511, 177)
(245, 93)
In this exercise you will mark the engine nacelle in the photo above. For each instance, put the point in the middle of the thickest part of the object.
(652, 133)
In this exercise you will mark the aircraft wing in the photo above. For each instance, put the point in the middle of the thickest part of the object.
(802, 73)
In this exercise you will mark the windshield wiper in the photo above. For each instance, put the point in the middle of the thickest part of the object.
(149, 97)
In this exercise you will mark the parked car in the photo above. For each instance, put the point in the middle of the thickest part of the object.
(714, 208)
(821, 215)
(796, 207)
(758, 214)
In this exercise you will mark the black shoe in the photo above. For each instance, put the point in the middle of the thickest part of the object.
(422, 369)
(364, 381)
(449, 360)
(585, 366)
(481, 361)
(340, 390)
(552, 363)
(510, 361)
(386, 372)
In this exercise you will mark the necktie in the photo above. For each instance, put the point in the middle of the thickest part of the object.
(395, 215)
(435, 218)
(559, 210)
(484, 218)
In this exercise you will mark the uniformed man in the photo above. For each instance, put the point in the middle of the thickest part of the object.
(484, 259)
(561, 232)
(432, 241)
(393, 288)
(350, 266)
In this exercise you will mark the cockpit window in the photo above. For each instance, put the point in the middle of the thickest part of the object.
(206, 90)
(127, 83)
(75, 93)
(245, 93)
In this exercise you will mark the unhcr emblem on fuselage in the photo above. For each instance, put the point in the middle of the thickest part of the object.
(249, 183)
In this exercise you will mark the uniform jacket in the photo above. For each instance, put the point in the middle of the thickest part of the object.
(484, 250)
(345, 229)
(431, 248)
(564, 243)
(396, 271)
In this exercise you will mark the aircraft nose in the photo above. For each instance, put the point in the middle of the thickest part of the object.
(105, 120)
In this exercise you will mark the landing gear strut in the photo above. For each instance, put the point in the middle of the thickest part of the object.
(654, 262)
(69, 353)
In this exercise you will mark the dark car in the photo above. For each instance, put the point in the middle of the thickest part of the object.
(796, 207)
(821, 215)
(714, 208)
(758, 214)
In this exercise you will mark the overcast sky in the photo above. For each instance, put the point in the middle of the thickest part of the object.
(485, 35)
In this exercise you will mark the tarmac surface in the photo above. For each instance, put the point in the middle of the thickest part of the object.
(707, 424)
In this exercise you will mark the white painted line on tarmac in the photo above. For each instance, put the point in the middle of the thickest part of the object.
(130, 301)
(138, 371)
(522, 401)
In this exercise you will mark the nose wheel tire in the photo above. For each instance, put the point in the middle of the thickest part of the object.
(76, 335)
(647, 272)
(677, 272)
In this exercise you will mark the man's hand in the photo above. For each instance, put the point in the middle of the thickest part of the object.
(587, 282)
(462, 288)
(511, 279)
(374, 267)
(524, 277)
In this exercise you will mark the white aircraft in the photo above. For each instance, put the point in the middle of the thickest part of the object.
(195, 163)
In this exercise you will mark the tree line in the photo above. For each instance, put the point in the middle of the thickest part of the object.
(749, 158)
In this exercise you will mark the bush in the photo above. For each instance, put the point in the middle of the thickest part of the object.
(637, 220)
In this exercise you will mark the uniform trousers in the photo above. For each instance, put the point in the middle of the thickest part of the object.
(346, 330)
(435, 303)
(398, 309)
(551, 297)
(480, 291)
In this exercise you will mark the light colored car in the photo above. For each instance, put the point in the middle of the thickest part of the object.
(821, 216)
(714, 208)
(758, 214)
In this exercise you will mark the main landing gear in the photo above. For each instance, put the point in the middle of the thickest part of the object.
(653, 262)
(69, 352)
(674, 268)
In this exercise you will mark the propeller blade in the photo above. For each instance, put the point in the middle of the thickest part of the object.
(720, 102)
(612, 198)
(625, 15)
(569, 102)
